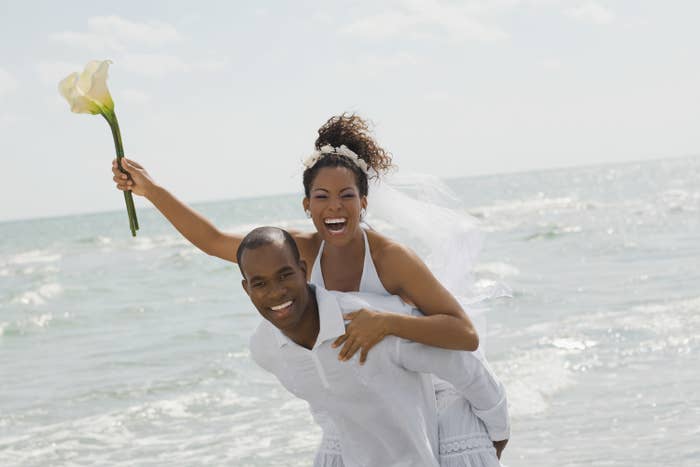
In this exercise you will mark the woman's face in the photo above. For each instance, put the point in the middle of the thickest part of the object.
(335, 204)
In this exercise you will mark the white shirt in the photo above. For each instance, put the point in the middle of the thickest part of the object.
(384, 410)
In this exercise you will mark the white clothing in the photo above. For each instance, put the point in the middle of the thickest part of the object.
(369, 282)
(464, 441)
(384, 410)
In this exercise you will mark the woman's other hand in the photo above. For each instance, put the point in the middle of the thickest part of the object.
(365, 330)
(500, 446)
(135, 180)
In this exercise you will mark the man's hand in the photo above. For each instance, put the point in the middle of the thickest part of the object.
(500, 446)
(365, 330)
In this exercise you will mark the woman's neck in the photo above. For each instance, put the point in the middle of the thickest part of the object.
(342, 266)
(353, 249)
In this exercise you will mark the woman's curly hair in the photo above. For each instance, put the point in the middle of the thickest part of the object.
(354, 132)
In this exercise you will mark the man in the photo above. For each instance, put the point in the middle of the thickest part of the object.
(384, 411)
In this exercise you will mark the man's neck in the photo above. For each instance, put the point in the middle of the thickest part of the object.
(306, 331)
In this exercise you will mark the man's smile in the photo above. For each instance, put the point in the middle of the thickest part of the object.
(283, 309)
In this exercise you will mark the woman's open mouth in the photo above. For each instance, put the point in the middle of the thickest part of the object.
(336, 225)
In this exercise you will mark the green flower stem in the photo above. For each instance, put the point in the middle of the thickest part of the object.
(111, 118)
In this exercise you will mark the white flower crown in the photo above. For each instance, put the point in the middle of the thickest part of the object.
(342, 151)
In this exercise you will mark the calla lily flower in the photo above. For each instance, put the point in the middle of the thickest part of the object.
(87, 93)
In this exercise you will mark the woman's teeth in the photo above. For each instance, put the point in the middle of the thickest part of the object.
(336, 220)
(282, 306)
(336, 224)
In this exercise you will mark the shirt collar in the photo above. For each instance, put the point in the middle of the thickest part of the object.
(330, 317)
(281, 339)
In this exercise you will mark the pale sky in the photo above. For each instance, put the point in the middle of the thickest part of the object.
(222, 99)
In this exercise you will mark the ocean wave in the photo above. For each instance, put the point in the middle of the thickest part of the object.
(685, 305)
(29, 263)
(568, 343)
(680, 317)
(554, 231)
(538, 204)
(485, 289)
(245, 353)
(95, 240)
(646, 320)
(533, 376)
(31, 257)
(175, 430)
(28, 271)
(42, 320)
(677, 200)
(39, 296)
(497, 269)
(511, 214)
(144, 243)
(620, 338)
(183, 256)
(31, 323)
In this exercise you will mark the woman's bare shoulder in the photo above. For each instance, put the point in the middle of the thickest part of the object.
(308, 243)
(387, 252)
(383, 243)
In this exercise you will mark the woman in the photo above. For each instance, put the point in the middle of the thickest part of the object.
(345, 257)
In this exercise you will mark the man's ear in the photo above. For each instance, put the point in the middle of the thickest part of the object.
(302, 266)
(244, 284)
(305, 203)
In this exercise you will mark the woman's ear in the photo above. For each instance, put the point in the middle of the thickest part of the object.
(305, 203)
(363, 202)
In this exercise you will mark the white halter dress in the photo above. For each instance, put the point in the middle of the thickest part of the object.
(463, 439)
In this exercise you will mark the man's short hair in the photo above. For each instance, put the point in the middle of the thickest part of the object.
(262, 236)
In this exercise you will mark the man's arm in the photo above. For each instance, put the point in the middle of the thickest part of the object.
(470, 376)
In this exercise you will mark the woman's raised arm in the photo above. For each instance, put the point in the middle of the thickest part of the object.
(192, 225)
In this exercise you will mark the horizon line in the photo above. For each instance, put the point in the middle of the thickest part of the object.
(271, 195)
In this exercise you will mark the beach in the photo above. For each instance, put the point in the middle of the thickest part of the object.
(133, 351)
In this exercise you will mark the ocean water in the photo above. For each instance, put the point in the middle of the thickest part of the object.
(125, 352)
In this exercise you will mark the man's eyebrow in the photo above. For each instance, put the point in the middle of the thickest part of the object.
(279, 271)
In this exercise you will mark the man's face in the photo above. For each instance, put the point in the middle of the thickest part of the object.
(276, 284)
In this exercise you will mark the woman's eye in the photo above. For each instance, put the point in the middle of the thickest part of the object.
(320, 196)
(349, 195)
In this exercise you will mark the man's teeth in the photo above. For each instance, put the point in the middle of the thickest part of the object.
(279, 307)
(338, 220)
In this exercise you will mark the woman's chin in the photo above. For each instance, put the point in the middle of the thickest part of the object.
(340, 236)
